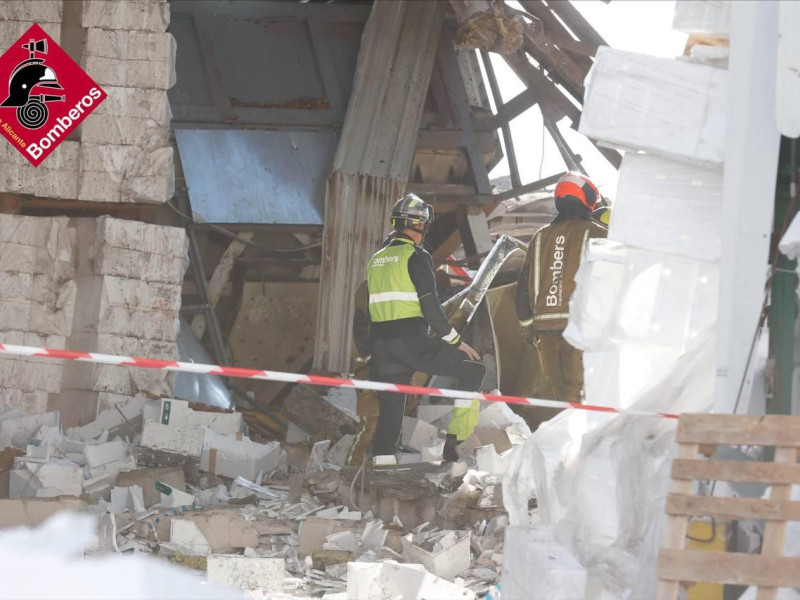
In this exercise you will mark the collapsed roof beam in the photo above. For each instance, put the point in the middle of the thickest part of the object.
(508, 141)
(555, 29)
(576, 22)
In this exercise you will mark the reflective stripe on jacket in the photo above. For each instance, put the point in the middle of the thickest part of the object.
(547, 279)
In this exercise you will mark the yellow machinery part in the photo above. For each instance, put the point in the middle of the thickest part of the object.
(703, 530)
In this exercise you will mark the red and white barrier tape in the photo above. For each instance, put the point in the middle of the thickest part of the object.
(171, 365)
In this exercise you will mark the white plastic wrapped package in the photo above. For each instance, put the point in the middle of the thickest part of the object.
(603, 484)
(628, 296)
(599, 283)
(613, 378)
(702, 16)
(614, 519)
(533, 468)
(668, 206)
(667, 107)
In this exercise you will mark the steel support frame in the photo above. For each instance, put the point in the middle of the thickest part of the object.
(455, 89)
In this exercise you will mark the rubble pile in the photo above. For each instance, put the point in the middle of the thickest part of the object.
(186, 483)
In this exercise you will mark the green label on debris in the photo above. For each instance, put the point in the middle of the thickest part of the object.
(165, 410)
(163, 488)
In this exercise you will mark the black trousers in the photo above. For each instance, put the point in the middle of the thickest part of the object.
(396, 361)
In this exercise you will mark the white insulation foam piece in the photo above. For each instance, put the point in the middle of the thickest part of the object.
(708, 16)
(666, 107)
(668, 206)
(628, 296)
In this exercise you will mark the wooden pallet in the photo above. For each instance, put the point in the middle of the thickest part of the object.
(697, 438)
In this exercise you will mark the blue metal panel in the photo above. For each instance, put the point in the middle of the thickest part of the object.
(263, 177)
(264, 63)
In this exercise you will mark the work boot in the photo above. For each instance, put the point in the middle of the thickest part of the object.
(450, 443)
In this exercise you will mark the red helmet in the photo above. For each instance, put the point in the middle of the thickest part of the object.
(579, 187)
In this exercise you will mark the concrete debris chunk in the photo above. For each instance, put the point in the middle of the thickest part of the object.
(47, 479)
(187, 441)
(233, 455)
(225, 529)
(125, 420)
(16, 428)
(185, 536)
(111, 458)
(418, 434)
(127, 498)
(178, 413)
(392, 580)
(445, 554)
(146, 479)
(492, 462)
(246, 573)
(171, 497)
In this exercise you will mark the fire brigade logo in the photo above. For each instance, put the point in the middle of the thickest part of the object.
(48, 95)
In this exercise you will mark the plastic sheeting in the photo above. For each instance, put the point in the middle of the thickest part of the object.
(668, 206)
(628, 296)
(666, 107)
(608, 497)
(206, 389)
(614, 378)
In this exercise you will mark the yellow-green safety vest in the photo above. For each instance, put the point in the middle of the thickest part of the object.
(392, 294)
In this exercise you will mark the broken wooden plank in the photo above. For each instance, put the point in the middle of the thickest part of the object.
(313, 413)
(220, 278)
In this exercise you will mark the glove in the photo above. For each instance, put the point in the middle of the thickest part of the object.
(529, 336)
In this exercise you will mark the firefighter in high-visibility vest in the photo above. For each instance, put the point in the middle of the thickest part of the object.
(547, 279)
(409, 331)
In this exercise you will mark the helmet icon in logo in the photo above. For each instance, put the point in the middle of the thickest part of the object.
(29, 74)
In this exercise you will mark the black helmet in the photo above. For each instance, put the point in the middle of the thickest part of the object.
(411, 212)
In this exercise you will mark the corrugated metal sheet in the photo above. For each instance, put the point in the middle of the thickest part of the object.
(358, 209)
(265, 177)
(373, 160)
